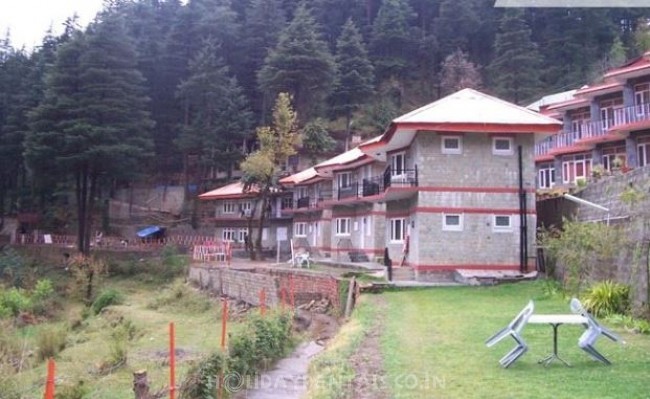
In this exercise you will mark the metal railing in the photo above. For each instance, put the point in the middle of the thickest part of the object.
(593, 129)
(378, 184)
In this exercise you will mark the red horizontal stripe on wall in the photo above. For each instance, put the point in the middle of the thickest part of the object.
(488, 190)
(425, 267)
(433, 209)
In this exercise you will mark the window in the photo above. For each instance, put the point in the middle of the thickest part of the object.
(502, 223)
(643, 150)
(241, 235)
(344, 180)
(608, 112)
(300, 229)
(343, 226)
(575, 168)
(452, 222)
(228, 207)
(502, 146)
(614, 158)
(397, 164)
(228, 234)
(397, 230)
(579, 122)
(301, 192)
(452, 145)
(546, 176)
(245, 208)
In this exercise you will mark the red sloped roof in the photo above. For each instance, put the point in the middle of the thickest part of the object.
(230, 191)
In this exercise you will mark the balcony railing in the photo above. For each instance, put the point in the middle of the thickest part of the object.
(593, 129)
(378, 184)
(311, 202)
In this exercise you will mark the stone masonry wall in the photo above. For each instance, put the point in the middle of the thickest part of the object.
(632, 220)
(246, 284)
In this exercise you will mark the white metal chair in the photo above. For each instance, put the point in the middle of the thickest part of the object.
(594, 330)
(513, 330)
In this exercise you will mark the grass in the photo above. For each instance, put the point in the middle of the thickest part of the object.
(330, 373)
(88, 348)
(432, 343)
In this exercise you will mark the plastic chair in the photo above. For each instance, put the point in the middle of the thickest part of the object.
(513, 330)
(594, 330)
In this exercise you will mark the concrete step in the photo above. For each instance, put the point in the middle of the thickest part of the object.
(403, 274)
(356, 256)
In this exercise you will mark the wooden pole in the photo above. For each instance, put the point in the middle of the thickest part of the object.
(141, 384)
(263, 302)
(348, 304)
(49, 382)
(172, 362)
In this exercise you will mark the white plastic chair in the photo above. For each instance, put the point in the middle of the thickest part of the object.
(594, 330)
(513, 330)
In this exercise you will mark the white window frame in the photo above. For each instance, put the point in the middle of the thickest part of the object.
(229, 208)
(452, 227)
(397, 230)
(501, 228)
(300, 229)
(241, 235)
(340, 180)
(643, 154)
(447, 150)
(228, 234)
(511, 145)
(545, 175)
(398, 164)
(343, 226)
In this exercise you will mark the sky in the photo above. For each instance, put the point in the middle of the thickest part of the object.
(29, 20)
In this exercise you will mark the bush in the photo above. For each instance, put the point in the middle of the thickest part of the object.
(607, 298)
(181, 296)
(77, 391)
(14, 301)
(50, 342)
(262, 340)
(106, 298)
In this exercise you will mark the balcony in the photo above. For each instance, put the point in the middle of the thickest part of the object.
(313, 202)
(592, 132)
(377, 185)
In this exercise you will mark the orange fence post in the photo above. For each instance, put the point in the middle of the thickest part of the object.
(49, 382)
(224, 322)
(172, 362)
(263, 302)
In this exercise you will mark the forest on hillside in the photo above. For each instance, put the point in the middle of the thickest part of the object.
(153, 88)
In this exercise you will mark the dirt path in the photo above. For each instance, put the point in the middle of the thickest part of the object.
(369, 381)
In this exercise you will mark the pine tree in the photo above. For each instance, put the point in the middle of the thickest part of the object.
(353, 86)
(93, 125)
(300, 64)
(458, 73)
(391, 46)
(264, 21)
(455, 25)
(217, 116)
(515, 70)
(316, 140)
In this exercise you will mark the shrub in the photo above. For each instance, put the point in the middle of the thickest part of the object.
(106, 298)
(14, 301)
(606, 298)
(77, 391)
(180, 295)
(50, 342)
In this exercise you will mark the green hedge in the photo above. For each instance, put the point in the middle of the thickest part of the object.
(262, 341)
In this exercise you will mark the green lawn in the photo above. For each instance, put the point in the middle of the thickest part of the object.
(432, 343)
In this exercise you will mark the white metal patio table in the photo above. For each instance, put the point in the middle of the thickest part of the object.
(556, 320)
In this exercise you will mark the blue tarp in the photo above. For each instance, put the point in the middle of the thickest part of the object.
(149, 231)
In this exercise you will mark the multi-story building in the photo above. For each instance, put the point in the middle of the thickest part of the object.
(606, 127)
(448, 186)
(231, 209)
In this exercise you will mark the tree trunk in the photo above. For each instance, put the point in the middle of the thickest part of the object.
(258, 241)
(141, 385)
